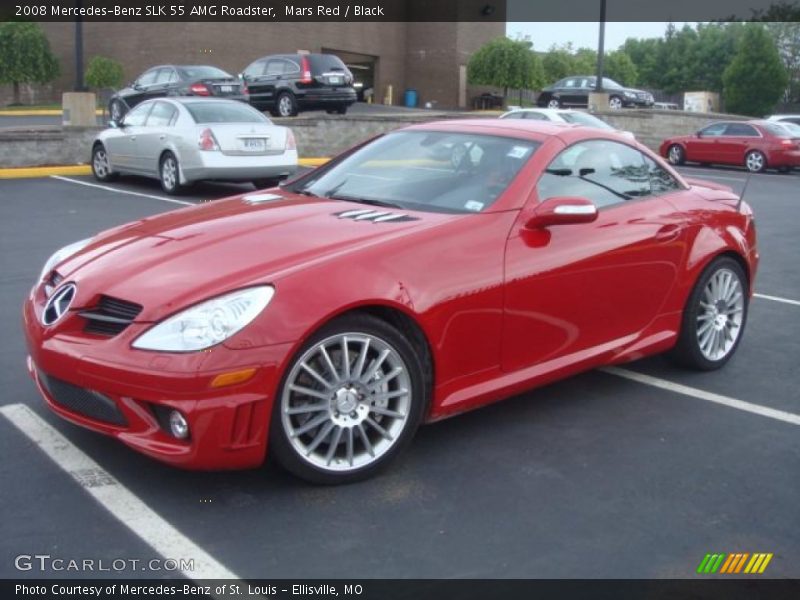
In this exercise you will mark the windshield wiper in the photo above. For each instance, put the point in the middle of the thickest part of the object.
(370, 201)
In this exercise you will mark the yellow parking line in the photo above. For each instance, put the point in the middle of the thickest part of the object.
(41, 112)
(22, 172)
(30, 172)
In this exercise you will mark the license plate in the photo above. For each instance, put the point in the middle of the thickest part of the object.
(335, 80)
(226, 88)
(254, 144)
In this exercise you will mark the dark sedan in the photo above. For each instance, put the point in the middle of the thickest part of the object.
(176, 80)
(574, 91)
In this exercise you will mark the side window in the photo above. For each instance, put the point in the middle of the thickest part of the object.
(164, 75)
(714, 129)
(604, 172)
(661, 182)
(148, 78)
(570, 83)
(515, 115)
(740, 130)
(161, 115)
(256, 69)
(138, 115)
(536, 116)
(275, 67)
(290, 67)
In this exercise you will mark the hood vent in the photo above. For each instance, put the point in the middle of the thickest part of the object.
(374, 216)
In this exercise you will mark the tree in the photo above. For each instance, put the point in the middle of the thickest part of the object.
(787, 40)
(557, 63)
(507, 64)
(104, 73)
(25, 56)
(618, 66)
(644, 55)
(756, 78)
(585, 62)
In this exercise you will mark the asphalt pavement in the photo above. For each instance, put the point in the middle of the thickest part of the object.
(595, 476)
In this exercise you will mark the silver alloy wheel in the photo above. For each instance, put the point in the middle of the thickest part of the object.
(719, 320)
(346, 401)
(553, 103)
(285, 106)
(100, 164)
(755, 162)
(614, 103)
(675, 155)
(169, 173)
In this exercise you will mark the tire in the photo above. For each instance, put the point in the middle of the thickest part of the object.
(340, 440)
(261, 184)
(755, 161)
(553, 103)
(341, 110)
(615, 103)
(708, 336)
(676, 155)
(286, 105)
(169, 174)
(100, 167)
(116, 110)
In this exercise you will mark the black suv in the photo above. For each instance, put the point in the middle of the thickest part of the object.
(286, 84)
(574, 91)
(176, 80)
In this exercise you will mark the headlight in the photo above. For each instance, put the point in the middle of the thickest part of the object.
(208, 323)
(630, 95)
(62, 255)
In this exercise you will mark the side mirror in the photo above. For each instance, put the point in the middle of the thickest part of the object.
(562, 211)
(136, 85)
(113, 124)
(698, 134)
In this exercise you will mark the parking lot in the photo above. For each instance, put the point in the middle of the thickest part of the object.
(625, 473)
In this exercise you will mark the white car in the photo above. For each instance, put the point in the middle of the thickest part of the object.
(561, 115)
(785, 119)
(187, 139)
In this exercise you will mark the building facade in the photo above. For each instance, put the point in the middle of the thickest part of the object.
(428, 57)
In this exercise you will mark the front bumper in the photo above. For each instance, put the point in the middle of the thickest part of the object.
(228, 425)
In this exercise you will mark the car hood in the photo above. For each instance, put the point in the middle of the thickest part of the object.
(178, 258)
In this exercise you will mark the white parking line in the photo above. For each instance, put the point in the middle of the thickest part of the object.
(757, 409)
(119, 191)
(777, 299)
(114, 497)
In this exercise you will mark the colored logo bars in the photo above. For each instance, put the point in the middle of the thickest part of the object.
(734, 563)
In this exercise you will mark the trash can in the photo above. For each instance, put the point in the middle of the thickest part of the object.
(411, 98)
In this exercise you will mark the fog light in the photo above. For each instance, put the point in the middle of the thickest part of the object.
(178, 425)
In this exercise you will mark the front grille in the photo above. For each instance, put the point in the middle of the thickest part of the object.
(82, 401)
(110, 316)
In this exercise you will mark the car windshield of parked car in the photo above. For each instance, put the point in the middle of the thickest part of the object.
(203, 72)
(224, 112)
(580, 118)
(425, 170)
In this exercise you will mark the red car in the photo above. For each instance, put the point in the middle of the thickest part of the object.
(428, 272)
(755, 145)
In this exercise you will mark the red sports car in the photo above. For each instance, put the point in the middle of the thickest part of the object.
(430, 271)
(755, 145)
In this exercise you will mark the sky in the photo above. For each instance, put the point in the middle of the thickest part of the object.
(584, 34)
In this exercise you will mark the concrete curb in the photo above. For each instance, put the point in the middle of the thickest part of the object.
(33, 172)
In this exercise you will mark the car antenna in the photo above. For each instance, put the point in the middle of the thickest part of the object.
(744, 189)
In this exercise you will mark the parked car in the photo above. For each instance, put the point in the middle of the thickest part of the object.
(286, 84)
(183, 140)
(176, 80)
(562, 115)
(756, 145)
(574, 91)
(301, 321)
(785, 119)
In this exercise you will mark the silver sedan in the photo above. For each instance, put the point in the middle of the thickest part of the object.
(183, 140)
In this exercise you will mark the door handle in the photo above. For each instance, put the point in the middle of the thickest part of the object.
(132, 138)
(162, 137)
(668, 233)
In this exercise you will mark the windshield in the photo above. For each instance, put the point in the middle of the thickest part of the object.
(580, 118)
(224, 112)
(425, 170)
(203, 72)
